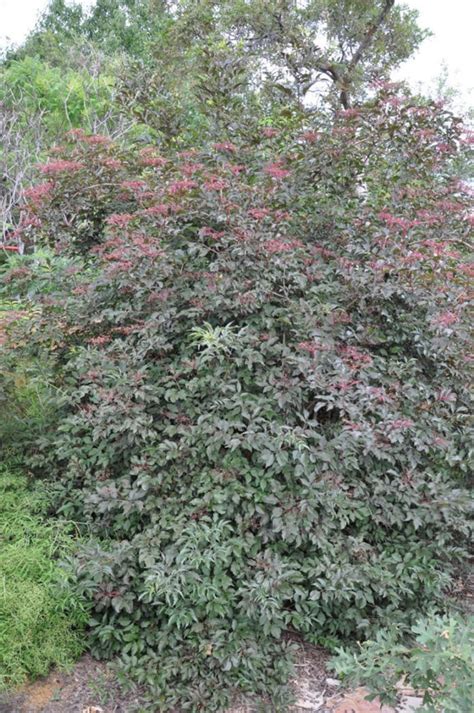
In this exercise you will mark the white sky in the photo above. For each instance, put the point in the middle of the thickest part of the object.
(452, 23)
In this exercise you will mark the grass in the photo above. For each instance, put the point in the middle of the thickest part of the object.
(41, 622)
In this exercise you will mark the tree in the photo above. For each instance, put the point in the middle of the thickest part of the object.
(297, 47)
(110, 25)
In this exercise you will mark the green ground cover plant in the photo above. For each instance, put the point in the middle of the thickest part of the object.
(41, 620)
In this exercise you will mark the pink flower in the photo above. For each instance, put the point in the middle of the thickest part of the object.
(467, 268)
(400, 424)
(236, 169)
(149, 158)
(259, 213)
(146, 247)
(35, 194)
(395, 221)
(207, 232)
(355, 357)
(99, 341)
(182, 186)
(446, 396)
(429, 218)
(121, 220)
(60, 166)
(280, 246)
(394, 101)
(96, 140)
(113, 163)
(160, 209)
(155, 161)
(349, 113)
(121, 266)
(344, 385)
(412, 257)
(189, 169)
(188, 154)
(310, 137)
(379, 394)
(214, 183)
(311, 348)
(275, 170)
(446, 319)
(352, 426)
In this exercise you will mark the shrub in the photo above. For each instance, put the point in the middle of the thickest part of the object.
(438, 659)
(263, 416)
(40, 619)
(29, 392)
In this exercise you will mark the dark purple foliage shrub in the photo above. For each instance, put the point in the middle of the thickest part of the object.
(263, 422)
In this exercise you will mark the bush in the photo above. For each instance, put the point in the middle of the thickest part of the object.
(438, 659)
(41, 621)
(29, 392)
(263, 413)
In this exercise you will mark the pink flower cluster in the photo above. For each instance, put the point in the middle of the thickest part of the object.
(309, 347)
(349, 113)
(60, 166)
(214, 183)
(446, 319)
(149, 158)
(310, 136)
(259, 213)
(276, 245)
(96, 140)
(400, 424)
(208, 232)
(189, 169)
(182, 186)
(276, 170)
(112, 163)
(236, 169)
(344, 385)
(37, 193)
(355, 357)
(120, 220)
(394, 221)
(159, 209)
(99, 341)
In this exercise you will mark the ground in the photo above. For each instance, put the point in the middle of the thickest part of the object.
(92, 688)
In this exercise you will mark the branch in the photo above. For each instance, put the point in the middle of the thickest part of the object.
(369, 36)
